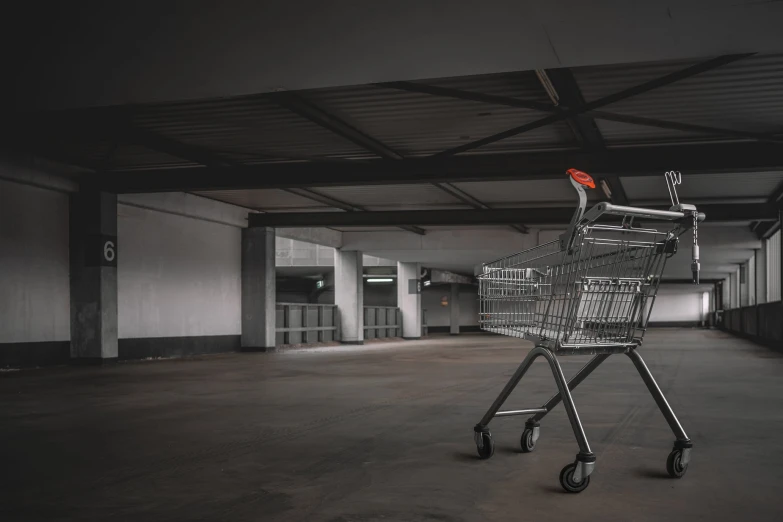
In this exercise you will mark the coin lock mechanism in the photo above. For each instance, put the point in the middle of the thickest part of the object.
(674, 178)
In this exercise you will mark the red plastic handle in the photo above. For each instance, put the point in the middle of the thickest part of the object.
(582, 178)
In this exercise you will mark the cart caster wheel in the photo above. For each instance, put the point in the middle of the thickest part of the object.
(674, 464)
(567, 480)
(527, 442)
(487, 447)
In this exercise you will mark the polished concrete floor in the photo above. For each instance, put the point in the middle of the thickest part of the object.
(384, 432)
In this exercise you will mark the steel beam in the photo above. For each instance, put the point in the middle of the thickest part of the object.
(568, 94)
(631, 161)
(606, 100)
(583, 126)
(473, 202)
(295, 103)
(209, 158)
(506, 216)
(448, 92)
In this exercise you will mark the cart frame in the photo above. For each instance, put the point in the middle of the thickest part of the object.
(587, 293)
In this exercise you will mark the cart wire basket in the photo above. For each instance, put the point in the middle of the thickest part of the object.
(590, 292)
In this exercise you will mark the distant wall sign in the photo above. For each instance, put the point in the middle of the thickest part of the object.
(101, 251)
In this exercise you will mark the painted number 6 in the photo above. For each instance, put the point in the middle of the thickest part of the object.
(108, 251)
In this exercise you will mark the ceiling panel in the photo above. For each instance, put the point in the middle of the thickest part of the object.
(415, 124)
(699, 186)
(265, 199)
(383, 195)
(743, 95)
(528, 191)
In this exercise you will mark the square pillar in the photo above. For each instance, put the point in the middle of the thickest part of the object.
(93, 276)
(409, 299)
(761, 273)
(454, 309)
(349, 294)
(258, 289)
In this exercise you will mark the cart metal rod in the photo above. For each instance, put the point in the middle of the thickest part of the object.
(575, 381)
(511, 384)
(528, 411)
(657, 394)
(568, 402)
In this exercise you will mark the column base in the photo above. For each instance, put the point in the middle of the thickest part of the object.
(411, 338)
(93, 361)
(258, 349)
(352, 342)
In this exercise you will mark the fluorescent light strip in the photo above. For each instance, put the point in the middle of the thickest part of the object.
(380, 280)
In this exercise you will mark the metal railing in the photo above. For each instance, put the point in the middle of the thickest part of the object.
(301, 323)
(382, 321)
(761, 323)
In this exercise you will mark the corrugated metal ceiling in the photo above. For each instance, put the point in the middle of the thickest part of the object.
(509, 192)
(376, 195)
(246, 128)
(743, 95)
(416, 124)
(265, 200)
(746, 184)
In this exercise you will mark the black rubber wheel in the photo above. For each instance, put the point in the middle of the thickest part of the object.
(567, 480)
(487, 449)
(674, 465)
(527, 441)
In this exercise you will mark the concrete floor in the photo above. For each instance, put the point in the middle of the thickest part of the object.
(384, 432)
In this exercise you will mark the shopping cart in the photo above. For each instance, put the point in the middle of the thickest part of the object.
(590, 292)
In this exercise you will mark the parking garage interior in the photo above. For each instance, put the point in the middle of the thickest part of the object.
(242, 255)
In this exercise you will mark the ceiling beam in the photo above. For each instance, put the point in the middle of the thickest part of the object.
(765, 229)
(506, 216)
(473, 202)
(448, 92)
(568, 93)
(583, 126)
(208, 158)
(606, 100)
(306, 109)
(630, 161)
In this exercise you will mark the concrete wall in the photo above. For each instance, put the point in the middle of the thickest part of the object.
(677, 305)
(34, 267)
(177, 276)
(438, 315)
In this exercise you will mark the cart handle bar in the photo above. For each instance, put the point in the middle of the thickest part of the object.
(609, 209)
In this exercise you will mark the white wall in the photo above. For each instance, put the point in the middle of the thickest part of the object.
(675, 304)
(177, 276)
(438, 315)
(34, 265)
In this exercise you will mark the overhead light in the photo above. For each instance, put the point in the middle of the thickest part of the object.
(427, 282)
(380, 280)
(320, 283)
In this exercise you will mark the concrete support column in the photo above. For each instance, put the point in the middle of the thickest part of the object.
(454, 309)
(761, 274)
(93, 276)
(258, 289)
(349, 294)
(409, 299)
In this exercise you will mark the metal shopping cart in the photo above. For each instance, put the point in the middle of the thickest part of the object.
(590, 292)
